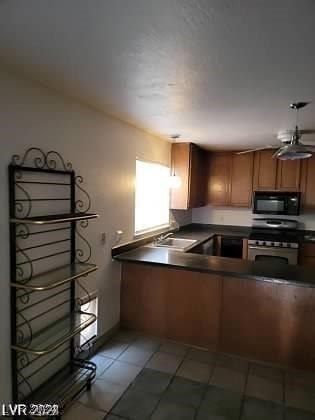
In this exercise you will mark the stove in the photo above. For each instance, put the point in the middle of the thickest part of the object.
(274, 240)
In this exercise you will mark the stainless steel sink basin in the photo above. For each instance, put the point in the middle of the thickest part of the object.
(177, 244)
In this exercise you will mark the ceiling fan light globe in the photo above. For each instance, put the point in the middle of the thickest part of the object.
(294, 155)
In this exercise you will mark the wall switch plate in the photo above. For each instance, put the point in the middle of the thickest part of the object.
(103, 238)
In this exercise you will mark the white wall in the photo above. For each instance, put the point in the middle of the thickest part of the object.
(241, 217)
(103, 150)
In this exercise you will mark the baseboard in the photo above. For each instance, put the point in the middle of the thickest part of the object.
(99, 342)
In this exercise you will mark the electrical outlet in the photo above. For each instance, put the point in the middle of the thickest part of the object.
(119, 234)
(103, 238)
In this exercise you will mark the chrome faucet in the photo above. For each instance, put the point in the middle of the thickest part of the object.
(162, 237)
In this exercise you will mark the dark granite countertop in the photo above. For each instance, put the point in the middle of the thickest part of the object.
(204, 232)
(286, 274)
(193, 231)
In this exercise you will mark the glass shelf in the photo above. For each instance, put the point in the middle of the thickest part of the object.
(55, 218)
(57, 277)
(65, 384)
(61, 331)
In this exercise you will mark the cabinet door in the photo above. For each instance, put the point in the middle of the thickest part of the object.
(308, 184)
(193, 307)
(307, 261)
(143, 299)
(265, 171)
(249, 314)
(307, 254)
(219, 179)
(289, 175)
(241, 180)
(181, 166)
(197, 184)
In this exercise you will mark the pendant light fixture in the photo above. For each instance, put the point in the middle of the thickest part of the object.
(175, 181)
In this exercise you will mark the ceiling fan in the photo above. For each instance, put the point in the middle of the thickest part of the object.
(292, 148)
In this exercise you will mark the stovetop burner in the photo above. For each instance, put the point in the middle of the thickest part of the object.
(274, 233)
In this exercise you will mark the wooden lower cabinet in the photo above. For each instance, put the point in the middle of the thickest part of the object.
(307, 254)
(169, 303)
(260, 320)
(270, 322)
(143, 298)
(193, 307)
(248, 317)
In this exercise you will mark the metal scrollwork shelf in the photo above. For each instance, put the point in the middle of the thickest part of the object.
(48, 254)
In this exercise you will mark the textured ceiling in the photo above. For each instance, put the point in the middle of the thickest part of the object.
(219, 72)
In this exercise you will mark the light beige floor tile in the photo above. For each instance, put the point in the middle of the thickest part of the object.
(147, 343)
(126, 336)
(196, 371)
(232, 362)
(173, 348)
(121, 373)
(300, 397)
(136, 355)
(202, 356)
(264, 388)
(78, 411)
(103, 395)
(298, 377)
(266, 371)
(102, 363)
(113, 349)
(164, 362)
(227, 378)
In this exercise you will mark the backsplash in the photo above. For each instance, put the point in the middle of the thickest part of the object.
(182, 217)
(242, 217)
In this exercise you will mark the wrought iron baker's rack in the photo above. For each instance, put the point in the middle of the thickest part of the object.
(48, 256)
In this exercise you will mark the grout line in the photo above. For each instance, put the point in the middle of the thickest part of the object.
(212, 370)
(168, 386)
(283, 394)
(244, 391)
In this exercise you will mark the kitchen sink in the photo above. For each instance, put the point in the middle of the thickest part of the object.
(177, 244)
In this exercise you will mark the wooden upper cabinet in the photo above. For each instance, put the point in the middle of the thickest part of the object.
(275, 174)
(219, 178)
(189, 163)
(197, 184)
(265, 171)
(289, 175)
(308, 184)
(241, 180)
(230, 179)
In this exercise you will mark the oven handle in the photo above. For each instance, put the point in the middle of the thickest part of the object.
(275, 225)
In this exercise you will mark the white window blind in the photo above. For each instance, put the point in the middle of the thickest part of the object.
(152, 196)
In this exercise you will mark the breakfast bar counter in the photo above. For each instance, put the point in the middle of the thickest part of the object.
(255, 270)
(253, 309)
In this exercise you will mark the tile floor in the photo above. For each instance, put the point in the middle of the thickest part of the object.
(141, 378)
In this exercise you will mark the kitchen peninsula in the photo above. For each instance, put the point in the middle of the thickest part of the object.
(254, 309)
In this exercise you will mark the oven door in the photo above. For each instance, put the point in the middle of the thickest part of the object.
(270, 254)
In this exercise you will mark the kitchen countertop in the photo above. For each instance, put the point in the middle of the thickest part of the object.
(286, 274)
(192, 231)
(203, 233)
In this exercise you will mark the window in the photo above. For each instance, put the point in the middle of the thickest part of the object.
(91, 331)
(152, 199)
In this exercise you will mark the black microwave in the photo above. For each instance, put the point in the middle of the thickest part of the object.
(277, 202)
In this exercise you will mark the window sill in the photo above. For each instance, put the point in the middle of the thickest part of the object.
(154, 231)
